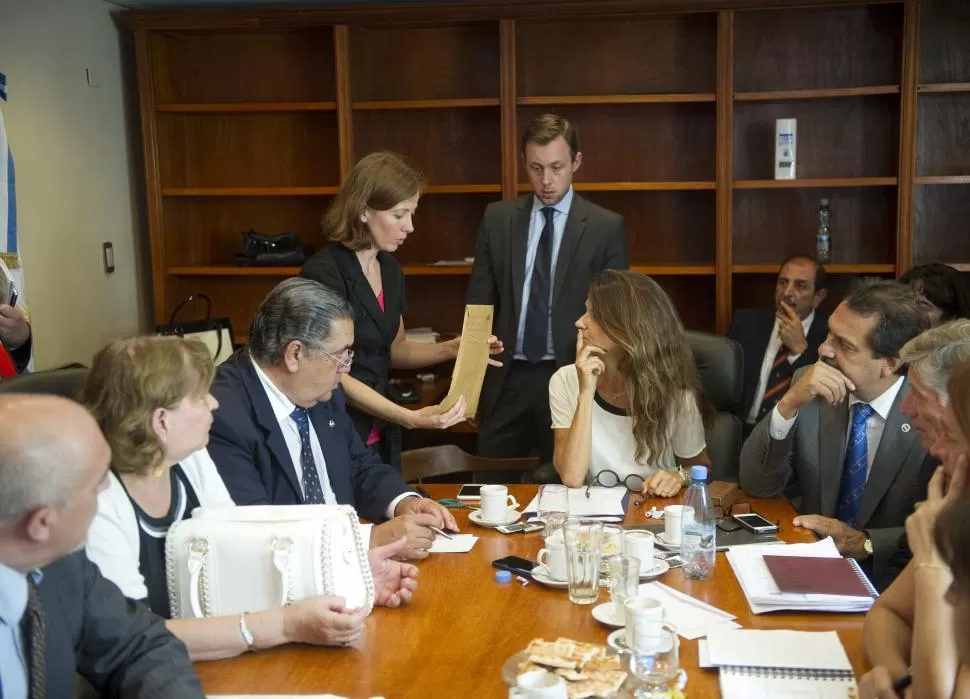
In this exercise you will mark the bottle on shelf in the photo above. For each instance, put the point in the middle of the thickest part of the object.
(697, 542)
(823, 241)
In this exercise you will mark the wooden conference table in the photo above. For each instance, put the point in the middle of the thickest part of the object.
(454, 637)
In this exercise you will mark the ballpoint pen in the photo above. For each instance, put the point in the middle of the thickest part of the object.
(442, 532)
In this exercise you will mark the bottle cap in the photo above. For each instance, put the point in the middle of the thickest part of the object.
(698, 473)
(503, 576)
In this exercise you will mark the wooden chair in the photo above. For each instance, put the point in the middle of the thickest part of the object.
(428, 462)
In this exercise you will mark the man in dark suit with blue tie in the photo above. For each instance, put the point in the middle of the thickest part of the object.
(776, 342)
(838, 442)
(534, 259)
(282, 435)
(58, 616)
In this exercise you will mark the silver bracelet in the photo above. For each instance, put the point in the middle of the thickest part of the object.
(245, 633)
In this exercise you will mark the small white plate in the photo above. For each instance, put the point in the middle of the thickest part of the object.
(476, 517)
(606, 614)
(541, 575)
(659, 568)
(617, 641)
(662, 540)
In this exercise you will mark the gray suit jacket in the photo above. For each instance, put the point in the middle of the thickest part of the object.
(116, 644)
(593, 240)
(807, 466)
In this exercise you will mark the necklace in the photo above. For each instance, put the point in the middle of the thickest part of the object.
(610, 394)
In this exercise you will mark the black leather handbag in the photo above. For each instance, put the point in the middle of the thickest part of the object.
(284, 250)
(215, 333)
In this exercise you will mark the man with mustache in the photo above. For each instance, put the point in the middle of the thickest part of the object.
(837, 442)
(777, 342)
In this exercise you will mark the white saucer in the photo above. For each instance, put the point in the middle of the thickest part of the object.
(606, 614)
(662, 540)
(476, 517)
(617, 641)
(659, 568)
(541, 575)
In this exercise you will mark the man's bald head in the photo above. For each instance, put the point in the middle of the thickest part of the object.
(48, 446)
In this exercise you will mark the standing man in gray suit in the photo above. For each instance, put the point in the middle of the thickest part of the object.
(837, 442)
(534, 259)
(58, 615)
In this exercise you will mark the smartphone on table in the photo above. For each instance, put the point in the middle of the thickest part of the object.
(470, 492)
(515, 565)
(754, 522)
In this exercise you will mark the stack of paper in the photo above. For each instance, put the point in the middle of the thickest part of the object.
(591, 502)
(691, 617)
(757, 664)
(763, 594)
(458, 543)
(425, 336)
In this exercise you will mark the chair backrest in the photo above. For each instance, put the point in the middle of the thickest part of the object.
(720, 367)
(64, 382)
(427, 462)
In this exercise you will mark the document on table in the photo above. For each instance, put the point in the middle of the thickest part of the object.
(691, 617)
(601, 502)
(472, 361)
(458, 543)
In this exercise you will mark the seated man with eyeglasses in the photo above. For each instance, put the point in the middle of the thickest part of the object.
(628, 411)
(281, 434)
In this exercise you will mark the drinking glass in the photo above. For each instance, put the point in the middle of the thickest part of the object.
(657, 664)
(624, 581)
(553, 508)
(583, 541)
(612, 546)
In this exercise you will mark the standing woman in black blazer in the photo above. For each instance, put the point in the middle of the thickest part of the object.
(368, 220)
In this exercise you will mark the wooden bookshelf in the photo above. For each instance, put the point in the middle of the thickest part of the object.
(252, 118)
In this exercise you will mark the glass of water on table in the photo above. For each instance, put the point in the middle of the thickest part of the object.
(553, 508)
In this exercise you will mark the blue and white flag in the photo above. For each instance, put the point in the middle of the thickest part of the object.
(9, 249)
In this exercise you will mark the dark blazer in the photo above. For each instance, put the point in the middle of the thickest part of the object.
(751, 328)
(249, 450)
(374, 330)
(117, 644)
(593, 240)
(807, 466)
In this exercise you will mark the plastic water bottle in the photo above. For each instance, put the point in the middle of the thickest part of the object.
(823, 241)
(697, 543)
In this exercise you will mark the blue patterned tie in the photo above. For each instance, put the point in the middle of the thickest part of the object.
(855, 466)
(312, 490)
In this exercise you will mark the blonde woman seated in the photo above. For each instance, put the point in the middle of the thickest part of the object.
(150, 396)
(628, 411)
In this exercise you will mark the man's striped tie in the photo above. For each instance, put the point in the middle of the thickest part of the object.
(779, 379)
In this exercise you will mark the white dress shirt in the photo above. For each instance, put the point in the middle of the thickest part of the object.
(536, 223)
(779, 427)
(774, 344)
(283, 408)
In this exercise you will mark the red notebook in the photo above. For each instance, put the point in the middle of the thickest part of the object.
(818, 576)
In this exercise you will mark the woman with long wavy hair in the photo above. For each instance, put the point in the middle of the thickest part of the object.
(629, 410)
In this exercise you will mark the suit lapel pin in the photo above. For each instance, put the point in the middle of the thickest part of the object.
(905, 427)
(332, 423)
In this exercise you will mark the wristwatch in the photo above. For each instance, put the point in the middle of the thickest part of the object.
(868, 544)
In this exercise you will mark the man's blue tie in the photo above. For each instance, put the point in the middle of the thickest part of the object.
(535, 341)
(312, 490)
(855, 466)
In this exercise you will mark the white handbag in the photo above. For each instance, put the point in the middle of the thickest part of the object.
(234, 560)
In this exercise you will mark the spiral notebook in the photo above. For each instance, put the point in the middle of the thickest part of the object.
(758, 664)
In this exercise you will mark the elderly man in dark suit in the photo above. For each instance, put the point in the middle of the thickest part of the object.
(282, 435)
(534, 259)
(838, 441)
(776, 342)
(58, 616)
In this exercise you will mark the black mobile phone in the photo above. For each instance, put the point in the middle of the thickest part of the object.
(754, 522)
(470, 491)
(515, 565)
(727, 524)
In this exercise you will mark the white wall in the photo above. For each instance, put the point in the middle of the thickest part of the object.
(75, 183)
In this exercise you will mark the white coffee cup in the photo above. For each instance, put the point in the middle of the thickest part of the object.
(553, 557)
(539, 684)
(673, 521)
(640, 544)
(644, 618)
(496, 503)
